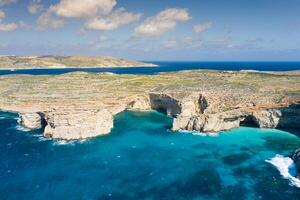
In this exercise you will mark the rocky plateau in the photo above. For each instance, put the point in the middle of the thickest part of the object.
(82, 105)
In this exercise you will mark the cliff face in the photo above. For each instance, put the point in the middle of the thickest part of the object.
(191, 112)
(82, 105)
(296, 158)
(194, 113)
(70, 125)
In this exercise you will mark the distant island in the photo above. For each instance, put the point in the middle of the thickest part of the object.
(50, 62)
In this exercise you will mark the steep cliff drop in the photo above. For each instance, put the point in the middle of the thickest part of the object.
(70, 125)
(190, 111)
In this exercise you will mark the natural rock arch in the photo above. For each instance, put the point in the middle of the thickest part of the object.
(249, 121)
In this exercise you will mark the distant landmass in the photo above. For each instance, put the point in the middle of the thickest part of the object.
(49, 62)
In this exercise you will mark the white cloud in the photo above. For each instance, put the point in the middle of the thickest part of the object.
(2, 14)
(6, 27)
(83, 9)
(183, 43)
(35, 7)
(48, 20)
(199, 28)
(112, 21)
(5, 2)
(98, 15)
(170, 44)
(162, 22)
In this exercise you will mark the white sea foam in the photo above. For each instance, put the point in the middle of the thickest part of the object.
(286, 167)
(63, 142)
(68, 142)
(200, 133)
(40, 137)
(22, 128)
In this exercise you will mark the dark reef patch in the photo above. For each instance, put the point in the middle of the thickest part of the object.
(204, 183)
(249, 170)
(236, 158)
(278, 144)
(235, 192)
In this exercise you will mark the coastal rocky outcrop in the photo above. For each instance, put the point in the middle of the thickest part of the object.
(79, 124)
(191, 112)
(31, 120)
(70, 125)
(296, 159)
(82, 105)
(194, 113)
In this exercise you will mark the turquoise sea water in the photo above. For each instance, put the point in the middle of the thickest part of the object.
(141, 159)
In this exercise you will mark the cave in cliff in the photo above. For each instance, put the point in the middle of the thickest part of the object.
(249, 121)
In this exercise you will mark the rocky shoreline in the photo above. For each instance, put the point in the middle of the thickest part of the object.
(296, 159)
(82, 105)
(192, 113)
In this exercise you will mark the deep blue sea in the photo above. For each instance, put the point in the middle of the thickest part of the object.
(142, 159)
(172, 66)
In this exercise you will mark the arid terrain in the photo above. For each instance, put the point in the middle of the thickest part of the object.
(43, 62)
(79, 105)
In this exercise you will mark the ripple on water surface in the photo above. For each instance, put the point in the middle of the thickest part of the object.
(141, 159)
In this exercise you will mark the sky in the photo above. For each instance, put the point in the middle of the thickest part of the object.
(157, 30)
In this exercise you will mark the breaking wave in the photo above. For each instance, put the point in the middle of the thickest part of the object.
(286, 167)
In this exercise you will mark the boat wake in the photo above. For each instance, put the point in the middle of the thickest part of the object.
(286, 167)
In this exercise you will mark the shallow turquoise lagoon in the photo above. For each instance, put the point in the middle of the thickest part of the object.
(141, 159)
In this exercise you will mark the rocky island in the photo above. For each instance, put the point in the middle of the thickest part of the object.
(82, 105)
(50, 62)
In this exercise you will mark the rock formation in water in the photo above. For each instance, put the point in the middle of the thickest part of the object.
(70, 125)
(82, 105)
(296, 158)
(31, 120)
(196, 113)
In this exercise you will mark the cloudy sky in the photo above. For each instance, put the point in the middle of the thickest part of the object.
(153, 29)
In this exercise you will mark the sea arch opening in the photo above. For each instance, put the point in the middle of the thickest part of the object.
(249, 121)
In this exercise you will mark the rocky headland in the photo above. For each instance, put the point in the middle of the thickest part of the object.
(82, 105)
(50, 62)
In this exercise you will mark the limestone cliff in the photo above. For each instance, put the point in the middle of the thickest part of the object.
(82, 105)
